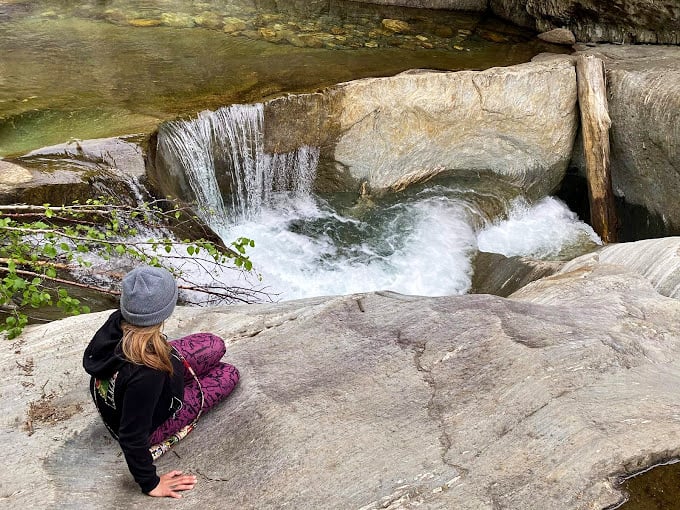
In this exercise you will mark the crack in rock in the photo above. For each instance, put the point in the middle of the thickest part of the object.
(253, 333)
(433, 410)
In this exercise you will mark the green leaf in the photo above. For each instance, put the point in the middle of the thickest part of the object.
(50, 251)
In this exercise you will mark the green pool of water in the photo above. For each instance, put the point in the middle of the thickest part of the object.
(76, 70)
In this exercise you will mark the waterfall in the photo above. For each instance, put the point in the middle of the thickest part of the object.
(227, 145)
(421, 241)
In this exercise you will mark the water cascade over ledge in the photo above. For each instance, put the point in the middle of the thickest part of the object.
(419, 241)
(228, 144)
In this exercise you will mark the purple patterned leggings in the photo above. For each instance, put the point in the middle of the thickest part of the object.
(203, 351)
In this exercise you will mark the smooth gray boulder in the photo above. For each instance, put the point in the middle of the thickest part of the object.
(519, 122)
(657, 260)
(379, 401)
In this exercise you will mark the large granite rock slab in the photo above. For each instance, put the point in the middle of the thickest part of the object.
(379, 401)
(518, 122)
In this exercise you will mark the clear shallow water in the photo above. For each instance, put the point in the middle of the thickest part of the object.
(100, 68)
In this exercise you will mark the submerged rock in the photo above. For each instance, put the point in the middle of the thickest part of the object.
(177, 20)
(234, 25)
(208, 19)
(395, 25)
(144, 22)
(380, 401)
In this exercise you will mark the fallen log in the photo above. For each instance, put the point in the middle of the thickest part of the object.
(595, 124)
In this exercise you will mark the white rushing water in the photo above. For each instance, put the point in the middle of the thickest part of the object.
(423, 247)
(306, 245)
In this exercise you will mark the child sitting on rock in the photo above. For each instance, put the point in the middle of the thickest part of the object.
(151, 392)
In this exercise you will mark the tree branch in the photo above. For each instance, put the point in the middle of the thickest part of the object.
(71, 283)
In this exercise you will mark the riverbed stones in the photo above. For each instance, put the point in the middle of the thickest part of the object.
(380, 400)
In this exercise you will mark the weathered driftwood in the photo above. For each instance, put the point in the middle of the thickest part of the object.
(595, 124)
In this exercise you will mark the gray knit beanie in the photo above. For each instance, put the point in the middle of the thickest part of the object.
(149, 296)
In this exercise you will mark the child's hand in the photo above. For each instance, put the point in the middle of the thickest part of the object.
(173, 482)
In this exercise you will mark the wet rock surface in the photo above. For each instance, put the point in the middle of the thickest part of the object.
(79, 170)
(381, 401)
(634, 21)
(501, 276)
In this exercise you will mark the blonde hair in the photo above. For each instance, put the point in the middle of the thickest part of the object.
(147, 345)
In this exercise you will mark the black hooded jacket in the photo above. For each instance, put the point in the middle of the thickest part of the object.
(136, 403)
